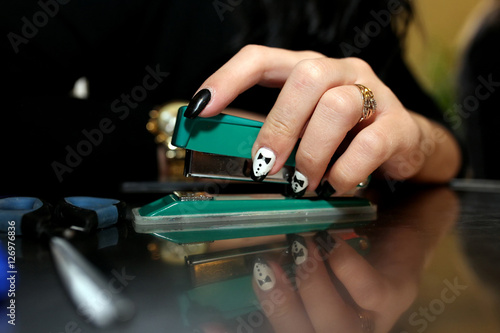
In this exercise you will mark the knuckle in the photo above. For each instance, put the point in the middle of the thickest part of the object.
(339, 105)
(312, 54)
(306, 158)
(280, 127)
(308, 72)
(360, 63)
(327, 112)
(279, 312)
(335, 101)
(342, 179)
(375, 143)
(253, 53)
(252, 50)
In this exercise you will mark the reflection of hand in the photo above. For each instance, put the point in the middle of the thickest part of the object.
(321, 304)
(320, 103)
(338, 290)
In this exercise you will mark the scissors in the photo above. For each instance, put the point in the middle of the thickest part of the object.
(33, 217)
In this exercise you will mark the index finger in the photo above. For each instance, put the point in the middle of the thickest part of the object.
(279, 301)
(252, 65)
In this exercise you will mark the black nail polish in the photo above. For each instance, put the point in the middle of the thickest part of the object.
(197, 103)
(325, 190)
(324, 241)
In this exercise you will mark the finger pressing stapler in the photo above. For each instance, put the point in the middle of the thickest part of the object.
(219, 147)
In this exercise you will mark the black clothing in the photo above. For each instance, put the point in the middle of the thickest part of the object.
(137, 55)
(478, 96)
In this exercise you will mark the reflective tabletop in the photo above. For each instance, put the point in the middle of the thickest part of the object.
(428, 263)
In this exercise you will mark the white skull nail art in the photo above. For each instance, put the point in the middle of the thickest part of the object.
(264, 276)
(299, 250)
(263, 163)
(299, 182)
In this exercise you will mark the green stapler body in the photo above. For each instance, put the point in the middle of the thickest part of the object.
(224, 143)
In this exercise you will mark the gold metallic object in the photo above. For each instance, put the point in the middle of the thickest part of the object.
(176, 254)
(369, 103)
(161, 124)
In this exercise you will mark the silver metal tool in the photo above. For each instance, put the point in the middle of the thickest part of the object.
(87, 288)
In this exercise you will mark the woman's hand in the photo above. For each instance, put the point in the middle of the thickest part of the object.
(320, 104)
(337, 290)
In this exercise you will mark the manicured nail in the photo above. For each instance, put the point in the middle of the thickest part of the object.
(298, 248)
(299, 184)
(325, 241)
(263, 275)
(325, 190)
(262, 164)
(197, 103)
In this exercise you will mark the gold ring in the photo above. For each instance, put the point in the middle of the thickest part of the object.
(369, 103)
(367, 324)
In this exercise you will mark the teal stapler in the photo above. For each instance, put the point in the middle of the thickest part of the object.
(220, 148)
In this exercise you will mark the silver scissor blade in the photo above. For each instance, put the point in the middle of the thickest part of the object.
(215, 166)
(87, 288)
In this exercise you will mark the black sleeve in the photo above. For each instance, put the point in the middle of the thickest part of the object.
(478, 98)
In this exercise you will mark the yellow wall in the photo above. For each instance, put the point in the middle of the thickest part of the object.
(434, 40)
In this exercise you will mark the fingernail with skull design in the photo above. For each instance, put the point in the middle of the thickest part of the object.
(263, 275)
(298, 184)
(298, 248)
(263, 163)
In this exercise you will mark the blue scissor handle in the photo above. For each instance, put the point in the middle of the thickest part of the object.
(90, 213)
(28, 215)
(32, 216)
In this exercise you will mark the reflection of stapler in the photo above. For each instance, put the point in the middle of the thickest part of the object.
(220, 147)
(221, 280)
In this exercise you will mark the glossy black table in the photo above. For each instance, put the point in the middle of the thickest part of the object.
(438, 246)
